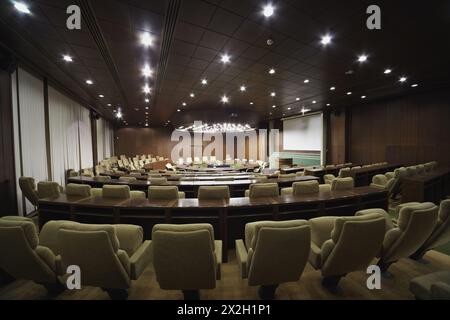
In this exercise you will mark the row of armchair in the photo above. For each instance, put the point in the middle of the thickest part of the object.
(188, 258)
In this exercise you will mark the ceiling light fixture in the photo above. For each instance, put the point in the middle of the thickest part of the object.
(273, 94)
(204, 82)
(305, 110)
(328, 104)
(109, 104)
(89, 82)
(192, 95)
(403, 79)
(297, 99)
(147, 71)
(314, 102)
(387, 71)
(268, 10)
(146, 39)
(21, 7)
(362, 58)
(101, 96)
(67, 58)
(306, 81)
(178, 110)
(146, 89)
(225, 58)
(272, 71)
(274, 106)
(326, 39)
(243, 88)
(251, 103)
(225, 99)
(349, 93)
(414, 85)
(363, 97)
(147, 100)
(289, 108)
(119, 114)
(333, 88)
(184, 104)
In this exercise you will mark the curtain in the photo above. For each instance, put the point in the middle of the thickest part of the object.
(64, 140)
(29, 131)
(87, 160)
(100, 140)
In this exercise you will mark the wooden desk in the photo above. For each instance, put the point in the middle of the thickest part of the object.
(430, 187)
(190, 186)
(228, 217)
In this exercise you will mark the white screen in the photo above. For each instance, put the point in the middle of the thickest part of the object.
(303, 133)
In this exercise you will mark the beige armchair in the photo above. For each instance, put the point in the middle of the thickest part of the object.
(440, 234)
(128, 179)
(73, 189)
(328, 178)
(274, 252)
(186, 257)
(157, 181)
(415, 225)
(116, 254)
(342, 184)
(24, 257)
(48, 189)
(165, 193)
(305, 187)
(102, 178)
(433, 286)
(213, 192)
(340, 245)
(28, 188)
(113, 191)
(258, 190)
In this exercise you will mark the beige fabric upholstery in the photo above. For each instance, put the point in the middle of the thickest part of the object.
(186, 257)
(389, 175)
(102, 178)
(213, 192)
(74, 189)
(97, 192)
(379, 181)
(328, 178)
(275, 251)
(48, 189)
(343, 184)
(22, 256)
(340, 245)
(433, 286)
(28, 188)
(128, 179)
(157, 181)
(415, 224)
(137, 194)
(387, 218)
(116, 253)
(164, 193)
(441, 231)
(259, 190)
(287, 176)
(305, 187)
(112, 191)
(344, 173)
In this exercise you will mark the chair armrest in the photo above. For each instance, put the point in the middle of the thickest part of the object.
(315, 256)
(321, 229)
(141, 259)
(242, 256)
(130, 237)
(440, 291)
(378, 186)
(287, 191)
(181, 194)
(218, 253)
(325, 188)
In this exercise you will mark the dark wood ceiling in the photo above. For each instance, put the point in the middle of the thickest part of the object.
(191, 35)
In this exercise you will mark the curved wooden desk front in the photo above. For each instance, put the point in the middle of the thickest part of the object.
(227, 216)
(190, 185)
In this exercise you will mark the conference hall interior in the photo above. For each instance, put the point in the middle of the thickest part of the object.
(224, 150)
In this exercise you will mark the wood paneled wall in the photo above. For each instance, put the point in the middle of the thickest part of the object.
(406, 130)
(8, 203)
(336, 137)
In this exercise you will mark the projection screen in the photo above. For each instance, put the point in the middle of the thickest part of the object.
(303, 133)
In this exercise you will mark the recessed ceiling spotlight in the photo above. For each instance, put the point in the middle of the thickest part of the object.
(146, 89)
(314, 102)
(147, 100)
(225, 58)
(146, 124)
(272, 71)
(204, 82)
(306, 81)
(251, 103)
(192, 95)
(270, 42)
(273, 94)
(146, 108)
(109, 104)
(297, 99)
(21, 7)
(328, 104)
(89, 82)
(326, 39)
(178, 110)
(362, 58)
(119, 114)
(243, 88)
(333, 88)
(268, 10)
(289, 108)
(225, 99)
(146, 39)
(101, 96)
(387, 71)
(184, 104)
(147, 71)
(349, 93)
(363, 97)
(274, 106)
(414, 85)
(402, 79)
(67, 58)
(146, 112)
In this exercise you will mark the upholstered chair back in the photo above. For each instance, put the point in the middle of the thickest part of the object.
(411, 171)
(277, 251)
(21, 255)
(287, 176)
(305, 187)
(345, 172)
(157, 181)
(213, 192)
(415, 224)
(258, 190)
(74, 189)
(163, 193)
(97, 192)
(184, 256)
(28, 188)
(389, 175)
(48, 189)
(113, 191)
(342, 184)
(136, 194)
(127, 179)
(354, 242)
(102, 178)
(96, 250)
